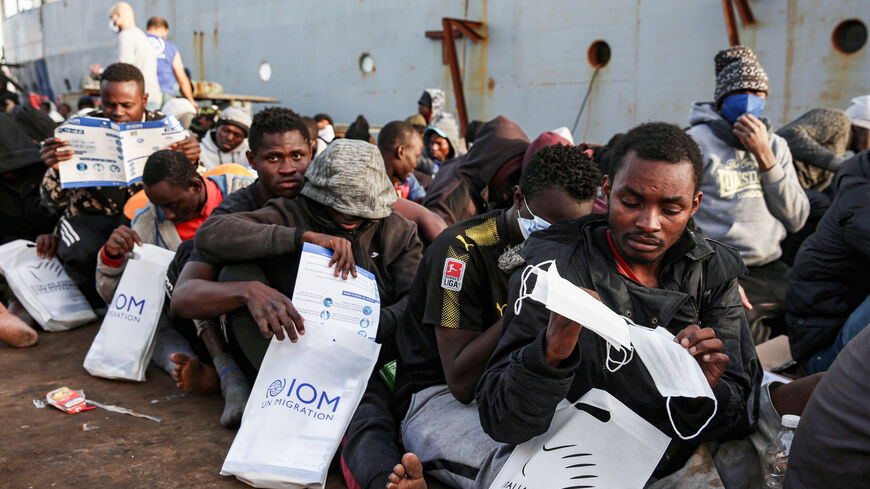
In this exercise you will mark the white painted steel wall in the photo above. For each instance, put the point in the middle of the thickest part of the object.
(662, 54)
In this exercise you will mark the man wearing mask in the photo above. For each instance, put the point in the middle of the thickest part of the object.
(752, 196)
(134, 48)
(459, 298)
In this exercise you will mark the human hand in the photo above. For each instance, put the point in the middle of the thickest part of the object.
(707, 350)
(562, 336)
(752, 133)
(743, 298)
(273, 312)
(189, 146)
(46, 246)
(193, 102)
(51, 153)
(121, 242)
(342, 253)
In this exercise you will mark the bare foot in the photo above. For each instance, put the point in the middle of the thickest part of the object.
(193, 376)
(408, 474)
(14, 331)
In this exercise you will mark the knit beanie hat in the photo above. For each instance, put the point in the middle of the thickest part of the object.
(737, 68)
(349, 176)
(236, 116)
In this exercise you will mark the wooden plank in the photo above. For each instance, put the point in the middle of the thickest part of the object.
(237, 98)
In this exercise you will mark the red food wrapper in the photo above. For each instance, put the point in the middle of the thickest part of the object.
(68, 400)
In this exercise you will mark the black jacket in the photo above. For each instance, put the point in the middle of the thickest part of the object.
(519, 391)
(272, 236)
(460, 189)
(829, 277)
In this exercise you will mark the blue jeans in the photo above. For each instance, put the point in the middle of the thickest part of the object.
(856, 323)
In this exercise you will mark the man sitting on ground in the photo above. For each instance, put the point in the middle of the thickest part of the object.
(455, 314)
(179, 202)
(752, 194)
(280, 152)
(484, 175)
(90, 215)
(228, 141)
(645, 261)
(347, 196)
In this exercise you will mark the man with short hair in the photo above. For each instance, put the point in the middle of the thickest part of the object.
(134, 48)
(90, 214)
(179, 201)
(643, 260)
(753, 197)
(454, 319)
(280, 152)
(169, 65)
(400, 147)
(228, 141)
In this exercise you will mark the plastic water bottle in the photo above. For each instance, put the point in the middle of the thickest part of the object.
(776, 454)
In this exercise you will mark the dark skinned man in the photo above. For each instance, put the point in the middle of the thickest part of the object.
(179, 202)
(280, 152)
(89, 215)
(646, 261)
(454, 317)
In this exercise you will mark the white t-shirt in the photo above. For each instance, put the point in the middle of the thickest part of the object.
(134, 48)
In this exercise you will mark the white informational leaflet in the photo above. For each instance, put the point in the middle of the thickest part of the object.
(109, 154)
(325, 299)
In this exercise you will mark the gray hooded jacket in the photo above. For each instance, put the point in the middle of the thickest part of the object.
(743, 207)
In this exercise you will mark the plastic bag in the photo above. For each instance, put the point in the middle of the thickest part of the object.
(44, 288)
(125, 342)
(300, 407)
(597, 441)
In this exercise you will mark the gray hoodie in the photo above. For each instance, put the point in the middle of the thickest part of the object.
(743, 207)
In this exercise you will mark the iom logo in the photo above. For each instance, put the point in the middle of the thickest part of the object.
(276, 387)
(126, 307)
(303, 398)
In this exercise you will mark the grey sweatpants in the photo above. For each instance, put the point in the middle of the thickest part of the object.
(447, 437)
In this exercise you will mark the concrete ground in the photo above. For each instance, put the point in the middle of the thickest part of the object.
(43, 448)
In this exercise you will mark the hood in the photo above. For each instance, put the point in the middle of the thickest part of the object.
(437, 99)
(703, 113)
(445, 126)
(854, 171)
(498, 141)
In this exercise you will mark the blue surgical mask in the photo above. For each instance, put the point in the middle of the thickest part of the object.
(741, 103)
(529, 226)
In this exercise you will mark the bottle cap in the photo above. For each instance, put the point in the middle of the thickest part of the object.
(790, 420)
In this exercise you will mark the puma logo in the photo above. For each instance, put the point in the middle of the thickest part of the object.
(464, 243)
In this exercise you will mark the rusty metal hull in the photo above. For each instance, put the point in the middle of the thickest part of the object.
(532, 66)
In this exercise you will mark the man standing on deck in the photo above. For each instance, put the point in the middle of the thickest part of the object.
(169, 64)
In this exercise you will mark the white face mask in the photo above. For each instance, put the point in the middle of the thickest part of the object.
(572, 302)
(529, 226)
(114, 26)
(673, 369)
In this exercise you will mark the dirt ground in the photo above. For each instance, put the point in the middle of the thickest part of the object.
(43, 448)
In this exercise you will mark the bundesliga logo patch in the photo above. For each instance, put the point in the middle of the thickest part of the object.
(454, 270)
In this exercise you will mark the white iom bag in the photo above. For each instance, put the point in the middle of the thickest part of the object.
(125, 342)
(44, 288)
(300, 407)
(596, 442)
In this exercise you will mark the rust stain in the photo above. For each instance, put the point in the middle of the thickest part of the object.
(214, 37)
(201, 52)
(491, 85)
(791, 15)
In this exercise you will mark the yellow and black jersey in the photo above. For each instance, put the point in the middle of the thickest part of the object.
(458, 285)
